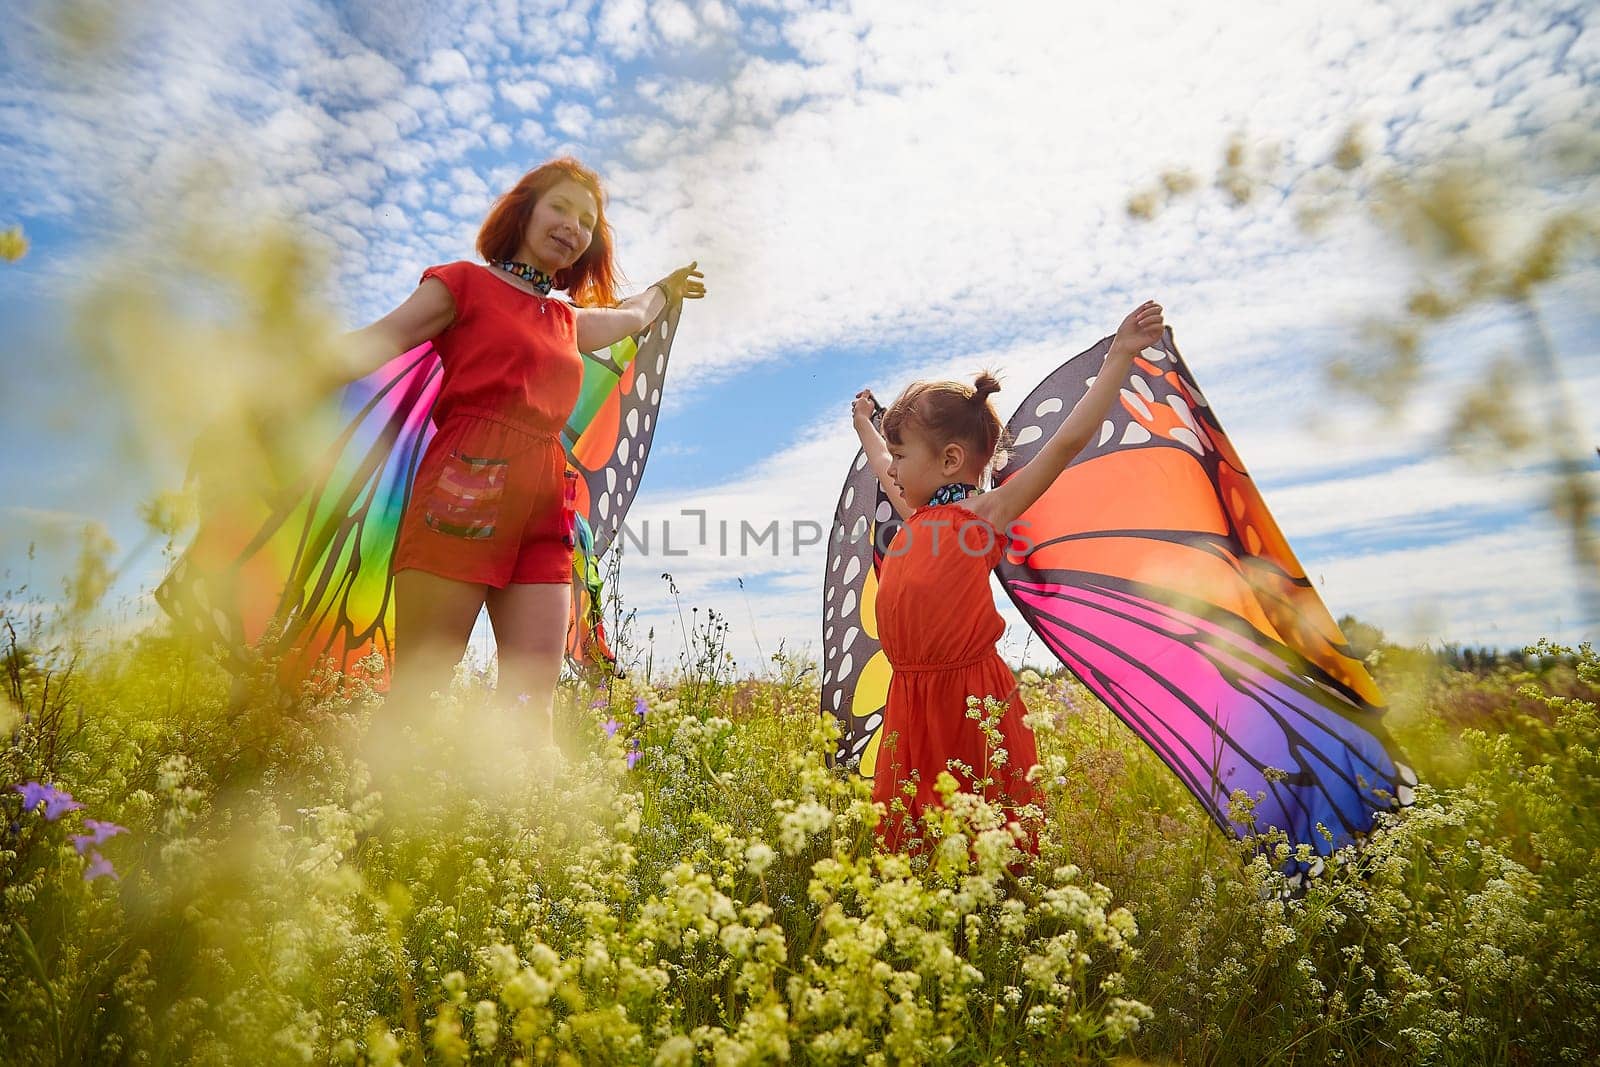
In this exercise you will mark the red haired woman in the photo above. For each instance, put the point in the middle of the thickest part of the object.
(485, 523)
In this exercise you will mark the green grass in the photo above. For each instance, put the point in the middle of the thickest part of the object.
(294, 888)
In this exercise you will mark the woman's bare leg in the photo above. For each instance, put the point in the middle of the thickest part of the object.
(530, 631)
(433, 620)
(434, 617)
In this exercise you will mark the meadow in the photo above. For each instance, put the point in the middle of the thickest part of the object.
(198, 870)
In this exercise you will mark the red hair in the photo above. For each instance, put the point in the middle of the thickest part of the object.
(592, 280)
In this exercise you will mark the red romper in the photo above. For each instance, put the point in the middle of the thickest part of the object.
(487, 503)
(938, 626)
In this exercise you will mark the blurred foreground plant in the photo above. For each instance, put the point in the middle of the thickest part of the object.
(692, 883)
(1483, 229)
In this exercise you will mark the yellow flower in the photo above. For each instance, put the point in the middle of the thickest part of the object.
(13, 245)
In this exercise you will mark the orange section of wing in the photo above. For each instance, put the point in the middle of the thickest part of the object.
(1185, 570)
(594, 448)
(1169, 490)
(1172, 492)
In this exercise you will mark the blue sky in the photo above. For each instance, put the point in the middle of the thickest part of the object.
(876, 193)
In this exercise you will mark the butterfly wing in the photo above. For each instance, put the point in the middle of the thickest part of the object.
(1153, 569)
(613, 425)
(608, 439)
(304, 575)
(856, 673)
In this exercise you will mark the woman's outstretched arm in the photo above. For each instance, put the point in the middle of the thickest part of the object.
(424, 315)
(603, 327)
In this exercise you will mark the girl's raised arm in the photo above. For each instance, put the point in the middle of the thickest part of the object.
(1006, 502)
(877, 450)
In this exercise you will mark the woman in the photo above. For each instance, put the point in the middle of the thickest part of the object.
(487, 522)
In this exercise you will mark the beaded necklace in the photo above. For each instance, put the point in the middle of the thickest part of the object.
(532, 275)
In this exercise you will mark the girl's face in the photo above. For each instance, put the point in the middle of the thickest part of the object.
(560, 227)
(919, 467)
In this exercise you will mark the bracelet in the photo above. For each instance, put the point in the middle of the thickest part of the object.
(666, 294)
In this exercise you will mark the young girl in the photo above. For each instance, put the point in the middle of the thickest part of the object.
(937, 620)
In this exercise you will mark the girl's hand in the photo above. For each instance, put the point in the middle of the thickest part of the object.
(865, 405)
(1141, 329)
(684, 283)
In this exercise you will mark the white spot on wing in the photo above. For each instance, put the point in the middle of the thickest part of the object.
(1176, 403)
(1187, 439)
(1137, 402)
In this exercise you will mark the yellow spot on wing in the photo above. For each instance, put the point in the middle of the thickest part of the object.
(869, 605)
(872, 693)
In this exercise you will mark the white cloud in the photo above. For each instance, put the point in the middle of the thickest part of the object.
(577, 72)
(530, 133)
(526, 95)
(623, 27)
(445, 66)
(674, 21)
(573, 120)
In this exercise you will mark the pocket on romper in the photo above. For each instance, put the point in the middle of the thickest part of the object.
(466, 498)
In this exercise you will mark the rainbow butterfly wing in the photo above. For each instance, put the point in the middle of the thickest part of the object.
(316, 560)
(613, 424)
(309, 570)
(608, 439)
(856, 673)
(1154, 571)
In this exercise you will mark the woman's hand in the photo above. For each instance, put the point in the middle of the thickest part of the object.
(684, 283)
(865, 405)
(1141, 329)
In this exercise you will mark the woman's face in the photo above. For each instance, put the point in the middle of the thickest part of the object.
(560, 226)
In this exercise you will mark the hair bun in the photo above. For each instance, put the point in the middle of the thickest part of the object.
(985, 384)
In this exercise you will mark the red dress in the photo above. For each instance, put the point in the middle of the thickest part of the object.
(488, 505)
(938, 626)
